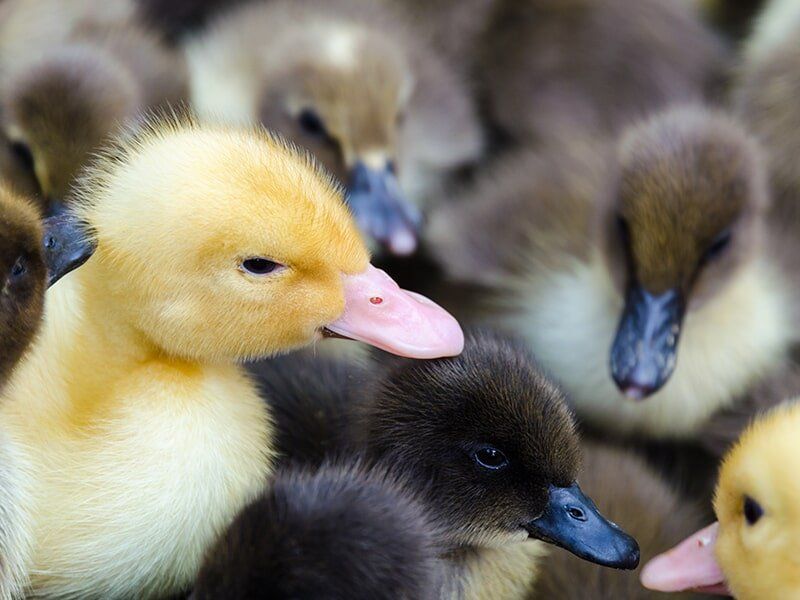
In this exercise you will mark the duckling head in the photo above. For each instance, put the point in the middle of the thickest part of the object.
(228, 244)
(60, 110)
(23, 275)
(339, 532)
(492, 443)
(341, 88)
(687, 212)
(751, 551)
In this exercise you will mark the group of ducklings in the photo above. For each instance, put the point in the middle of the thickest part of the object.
(606, 191)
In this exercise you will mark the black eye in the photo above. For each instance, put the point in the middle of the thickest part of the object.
(19, 268)
(23, 154)
(490, 457)
(752, 511)
(718, 245)
(312, 123)
(259, 266)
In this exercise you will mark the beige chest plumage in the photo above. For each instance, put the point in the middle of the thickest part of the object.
(570, 318)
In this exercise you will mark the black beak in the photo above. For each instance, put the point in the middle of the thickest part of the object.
(646, 346)
(572, 521)
(67, 245)
(381, 209)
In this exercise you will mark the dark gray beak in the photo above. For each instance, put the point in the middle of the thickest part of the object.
(646, 346)
(67, 245)
(572, 521)
(381, 209)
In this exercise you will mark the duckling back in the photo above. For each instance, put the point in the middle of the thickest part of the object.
(339, 533)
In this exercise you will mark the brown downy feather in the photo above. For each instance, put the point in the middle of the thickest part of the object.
(23, 276)
(549, 66)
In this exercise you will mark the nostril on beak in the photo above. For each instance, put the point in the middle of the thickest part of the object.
(576, 513)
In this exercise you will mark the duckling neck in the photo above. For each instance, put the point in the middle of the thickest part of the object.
(507, 572)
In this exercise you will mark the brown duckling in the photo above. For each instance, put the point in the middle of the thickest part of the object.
(546, 67)
(487, 442)
(23, 278)
(355, 84)
(72, 72)
(655, 284)
(341, 532)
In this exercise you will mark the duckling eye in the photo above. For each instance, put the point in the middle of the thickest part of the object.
(752, 511)
(259, 266)
(490, 457)
(312, 123)
(19, 268)
(23, 154)
(718, 245)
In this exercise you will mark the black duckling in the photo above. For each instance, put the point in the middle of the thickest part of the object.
(656, 283)
(546, 67)
(178, 18)
(486, 426)
(357, 85)
(627, 491)
(339, 533)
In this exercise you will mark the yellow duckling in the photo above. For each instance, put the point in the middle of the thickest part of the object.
(751, 552)
(139, 433)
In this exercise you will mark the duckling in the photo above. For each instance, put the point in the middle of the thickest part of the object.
(657, 284)
(546, 67)
(23, 279)
(490, 444)
(628, 492)
(486, 426)
(352, 82)
(71, 74)
(142, 435)
(340, 532)
(751, 551)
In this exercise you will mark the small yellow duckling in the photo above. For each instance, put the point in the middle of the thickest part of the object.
(751, 551)
(140, 435)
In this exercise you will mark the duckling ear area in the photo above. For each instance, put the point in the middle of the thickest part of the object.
(687, 176)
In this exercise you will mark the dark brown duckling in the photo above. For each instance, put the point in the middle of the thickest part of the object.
(340, 533)
(487, 441)
(23, 278)
(546, 67)
(656, 282)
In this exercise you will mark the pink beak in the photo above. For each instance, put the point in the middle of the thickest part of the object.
(379, 313)
(690, 565)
